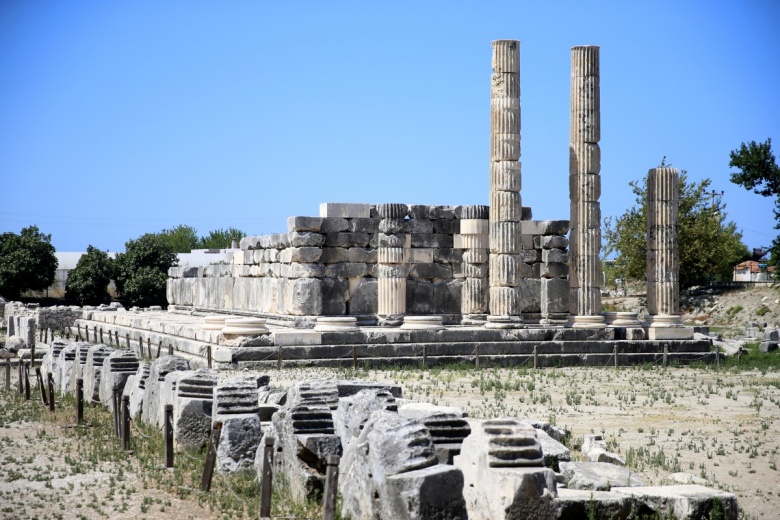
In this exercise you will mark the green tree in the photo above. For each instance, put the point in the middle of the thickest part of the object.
(709, 246)
(142, 270)
(220, 238)
(183, 238)
(27, 262)
(759, 172)
(88, 283)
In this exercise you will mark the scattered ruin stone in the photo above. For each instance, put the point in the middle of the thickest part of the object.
(136, 388)
(503, 479)
(152, 409)
(684, 502)
(354, 411)
(241, 435)
(577, 504)
(771, 340)
(445, 424)
(52, 356)
(237, 395)
(597, 476)
(116, 368)
(91, 371)
(65, 364)
(600, 455)
(14, 344)
(192, 407)
(555, 453)
(391, 471)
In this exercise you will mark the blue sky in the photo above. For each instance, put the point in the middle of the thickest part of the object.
(121, 118)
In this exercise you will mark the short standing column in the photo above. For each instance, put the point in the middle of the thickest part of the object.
(585, 189)
(392, 270)
(505, 203)
(474, 231)
(663, 260)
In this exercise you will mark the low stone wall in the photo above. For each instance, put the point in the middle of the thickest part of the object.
(329, 266)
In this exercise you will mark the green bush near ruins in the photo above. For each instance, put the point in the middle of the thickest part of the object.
(220, 238)
(709, 245)
(142, 270)
(27, 262)
(88, 283)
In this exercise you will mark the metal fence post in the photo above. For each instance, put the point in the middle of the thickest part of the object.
(168, 434)
(79, 401)
(51, 391)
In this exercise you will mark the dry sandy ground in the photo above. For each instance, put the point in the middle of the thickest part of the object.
(720, 426)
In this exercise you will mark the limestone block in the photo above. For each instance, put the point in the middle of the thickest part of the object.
(505, 87)
(305, 239)
(506, 56)
(504, 147)
(496, 483)
(446, 226)
(505, 237)
(584, 158)
(237, 395)
(345, 210)
(302, 254)
(474, 296)
(238, 444)
(530, 291)
(686, 502)
(312, 224)
(66, 367)
(504, 111)
(392, 211)
(419, 297)
(361, 255)
(393, 457)
(151, 408)
(580, 239)
(334, 290)
(91, 372)
(431, 271)
(506, 206)
(585, 271)
(552, 242)
(558, 256)
(303, 297)
(604, 456)
(505, 270)
(555, 453)
(363, 225)
(505, 175)
(504, 301)
(597, 476)
(346, 270)
(554, 296)
(418, 255)
(447, 296)
(363, 299)
(476, 256)
(544, 227)
(334, 225)
(114, 372)
(585, 187)
(574, 504)
(435, 240)
(346, 239)
(416, 226)
(354, 411)
(553, 271)
(135, 387)
(334, 255)
(297, 337)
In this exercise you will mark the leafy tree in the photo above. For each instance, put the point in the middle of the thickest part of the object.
(27, 262)
(708, 245)
(759, 172)
(183, 238)
(142, 270)
(220, 238)
(88, 282)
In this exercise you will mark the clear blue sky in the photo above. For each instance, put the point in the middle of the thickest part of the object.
(119, 118)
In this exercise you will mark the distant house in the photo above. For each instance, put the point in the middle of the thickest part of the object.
(752, 271)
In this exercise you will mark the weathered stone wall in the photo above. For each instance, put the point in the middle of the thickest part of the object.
(328, 265)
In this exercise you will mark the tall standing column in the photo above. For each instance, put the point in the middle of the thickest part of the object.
(390, 259)
(585, 189)
(505, 204)
(474, 232)
(663, 260)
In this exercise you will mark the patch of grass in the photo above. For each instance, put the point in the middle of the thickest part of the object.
(762, 310)
(753, 359)
(732, 311)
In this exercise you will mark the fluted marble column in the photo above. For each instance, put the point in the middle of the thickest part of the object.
(505, 203)
(585, 189)
(474, 231)
(391, 290)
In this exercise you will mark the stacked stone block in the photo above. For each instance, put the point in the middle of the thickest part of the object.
(475, 241)
(544, 294)
(585, 188)
(505, 203)
(392, 267)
